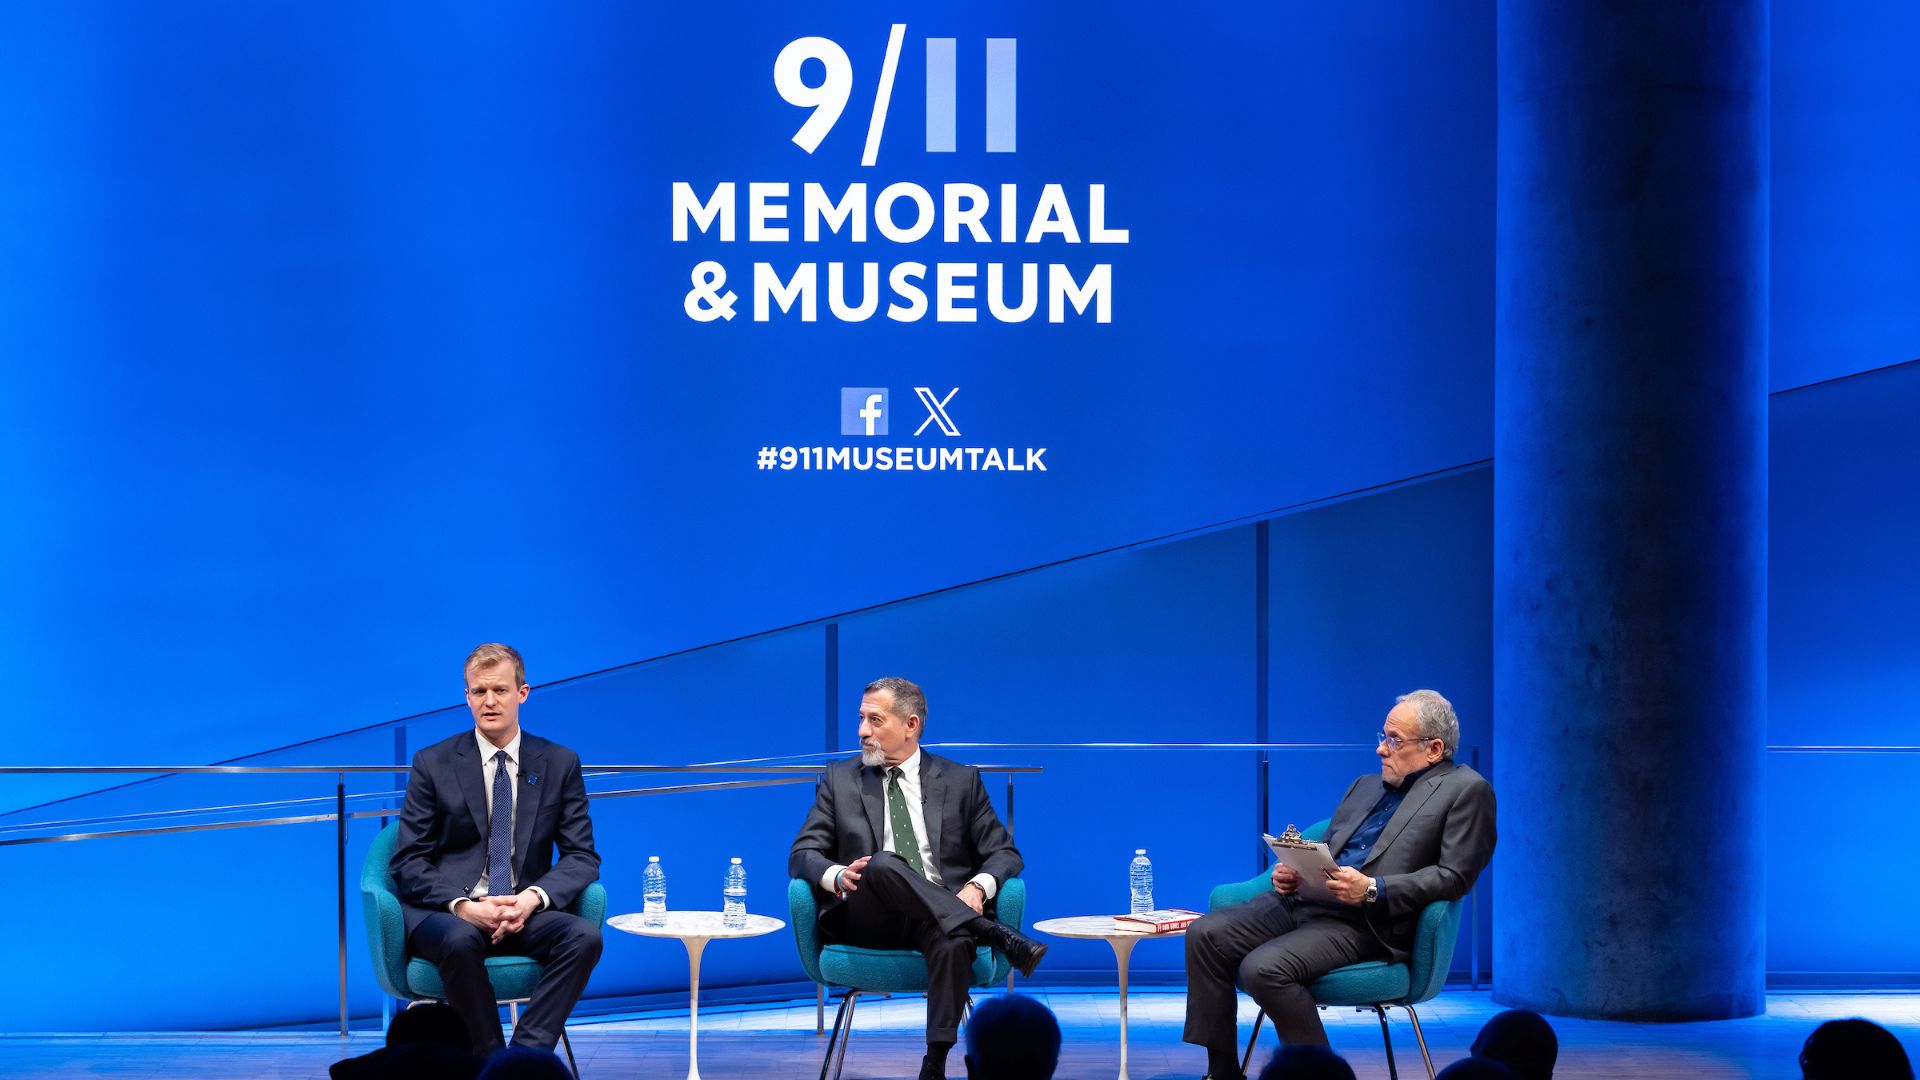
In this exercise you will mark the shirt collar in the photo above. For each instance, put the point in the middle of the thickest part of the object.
(909, 769)
(487, 749)
(1411, 779)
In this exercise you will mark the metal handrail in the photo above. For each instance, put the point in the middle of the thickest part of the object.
(1841, 749)
(387, 811)
(789, 774)
(10, 835)
(781, 775)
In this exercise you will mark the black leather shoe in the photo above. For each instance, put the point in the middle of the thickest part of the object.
(1021, 951)
(1226, 1067)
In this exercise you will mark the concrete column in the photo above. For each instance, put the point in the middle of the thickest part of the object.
(1630, 507)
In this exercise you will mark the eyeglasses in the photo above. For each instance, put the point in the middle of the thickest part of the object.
(1394, 742)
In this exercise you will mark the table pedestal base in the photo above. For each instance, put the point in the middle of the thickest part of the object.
(1122, 953)
(695, 946)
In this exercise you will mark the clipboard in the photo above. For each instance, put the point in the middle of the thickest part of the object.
(1311, 860)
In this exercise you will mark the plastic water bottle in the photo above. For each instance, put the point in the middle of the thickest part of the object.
(653, 890)
(735, 912)
(1140, 879)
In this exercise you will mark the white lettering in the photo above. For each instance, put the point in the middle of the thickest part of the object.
(759, 212)
(883, 212)
(768, 286)
(997, 292)
(837, 292)
(1097, 231)
(851, 211)
(1098, 288)
(947, 288)
(916, 300)
(685, 206)
(967, 215)
(1053, 216)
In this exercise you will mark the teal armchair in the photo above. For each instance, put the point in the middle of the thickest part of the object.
(1374, 984)
(413, 979)
(882, 971)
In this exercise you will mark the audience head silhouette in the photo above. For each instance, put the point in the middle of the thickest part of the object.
(1854, 1049)
(1296, 1061)
(1476, 1068)
(1523, 1041)
(1013, 1037)
(426, 1042)
(525, 1063)
(429, 1022)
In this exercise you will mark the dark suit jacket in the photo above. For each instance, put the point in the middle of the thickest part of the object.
(442, 848)
(1433, 847)
(850, 805)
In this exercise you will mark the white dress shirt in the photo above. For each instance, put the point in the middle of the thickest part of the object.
(489, 767)
(910, 791)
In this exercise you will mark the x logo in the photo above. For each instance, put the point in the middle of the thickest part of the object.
(936, 411)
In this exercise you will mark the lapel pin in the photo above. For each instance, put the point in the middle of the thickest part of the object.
(532, 779)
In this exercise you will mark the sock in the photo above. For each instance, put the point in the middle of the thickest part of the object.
(1223, 1065)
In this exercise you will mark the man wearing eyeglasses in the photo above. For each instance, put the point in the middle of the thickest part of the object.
(1421, 831)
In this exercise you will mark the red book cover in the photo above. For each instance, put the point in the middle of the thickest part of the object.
(1162, 921)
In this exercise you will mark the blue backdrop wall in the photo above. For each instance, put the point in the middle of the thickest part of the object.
(363, 333)
(337, 341)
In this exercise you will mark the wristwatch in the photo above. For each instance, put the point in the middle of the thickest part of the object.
(1373, 890)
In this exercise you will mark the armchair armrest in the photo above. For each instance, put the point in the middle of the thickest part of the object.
(1432, 953)
(591, 904)
(386, 931)
(386, 926)
(804, 908)
(1240, 892)
(1010, 903)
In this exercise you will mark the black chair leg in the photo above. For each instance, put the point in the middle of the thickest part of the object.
(833, 1038)
(1422, 1039)
(1387, 1038)
(1247, 1058)
(567, 1044)
(830, 1065)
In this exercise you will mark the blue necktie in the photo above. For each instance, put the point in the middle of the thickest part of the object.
(500, 831)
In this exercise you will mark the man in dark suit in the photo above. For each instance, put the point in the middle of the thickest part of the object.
(475, 864)
(1422, 831)
(909, 854)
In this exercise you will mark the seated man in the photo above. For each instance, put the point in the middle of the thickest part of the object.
(474, 864)
(1422, 832)
(889, 834)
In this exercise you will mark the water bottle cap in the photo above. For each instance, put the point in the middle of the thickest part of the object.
(653, 858)
(1139, 851)
(736, 862)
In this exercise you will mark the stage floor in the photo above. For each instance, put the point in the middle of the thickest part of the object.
(779, 1041)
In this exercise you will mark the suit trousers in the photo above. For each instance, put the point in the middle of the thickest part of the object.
(896, 907)
(566, 945)
(1276, 945)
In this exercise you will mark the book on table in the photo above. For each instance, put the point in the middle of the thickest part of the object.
(1160, 921)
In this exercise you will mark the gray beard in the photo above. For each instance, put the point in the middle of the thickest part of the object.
(874, 757)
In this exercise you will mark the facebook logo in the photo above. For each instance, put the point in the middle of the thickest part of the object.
(863, 410)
